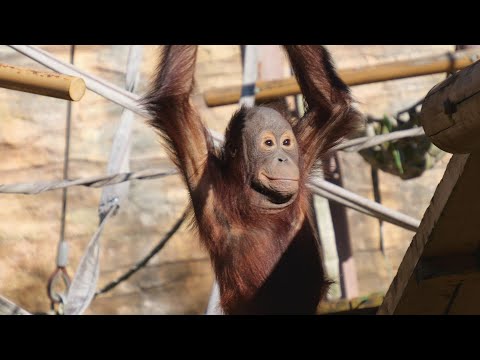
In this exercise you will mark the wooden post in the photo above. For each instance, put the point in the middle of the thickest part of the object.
(268, 90)
(42, 83)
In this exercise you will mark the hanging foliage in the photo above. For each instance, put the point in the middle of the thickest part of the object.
(406, 158)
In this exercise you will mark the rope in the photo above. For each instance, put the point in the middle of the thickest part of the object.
(95, 182)
(102, 87)
(9, 308)
(62, 250)
(66, 158)
(367, 141)
(142, 263)
(361, 204)
(82, 290)
(105, 180)
(326, 192)
(84, 282)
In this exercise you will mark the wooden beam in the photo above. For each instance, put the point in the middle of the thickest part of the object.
(9, 308)
(268, 90)
(450, 112)
(440, 273)
(42, 83)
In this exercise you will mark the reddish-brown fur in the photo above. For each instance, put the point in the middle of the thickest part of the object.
(265, 263)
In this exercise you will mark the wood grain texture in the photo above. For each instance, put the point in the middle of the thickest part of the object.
(450, 112)
(440, 273)
(42, 83)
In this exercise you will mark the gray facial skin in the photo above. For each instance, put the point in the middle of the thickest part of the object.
(271, 151)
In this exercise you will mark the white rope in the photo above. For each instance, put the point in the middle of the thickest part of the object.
(371, 141)
(120, 153)
(94, 181)
(99, 181)
(374, 209)
(83, 287)
(9, 308)
(330, 192)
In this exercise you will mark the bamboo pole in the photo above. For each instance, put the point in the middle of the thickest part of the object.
(268, 90)
(41, 82)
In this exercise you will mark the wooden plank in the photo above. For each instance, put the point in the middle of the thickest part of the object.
(42, 82)
(9, 308)
(268, 90)
(440, 273)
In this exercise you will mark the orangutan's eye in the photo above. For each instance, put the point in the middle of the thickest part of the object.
(269, 142)
(286, 142)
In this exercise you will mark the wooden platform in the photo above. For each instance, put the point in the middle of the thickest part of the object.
(440, 273)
